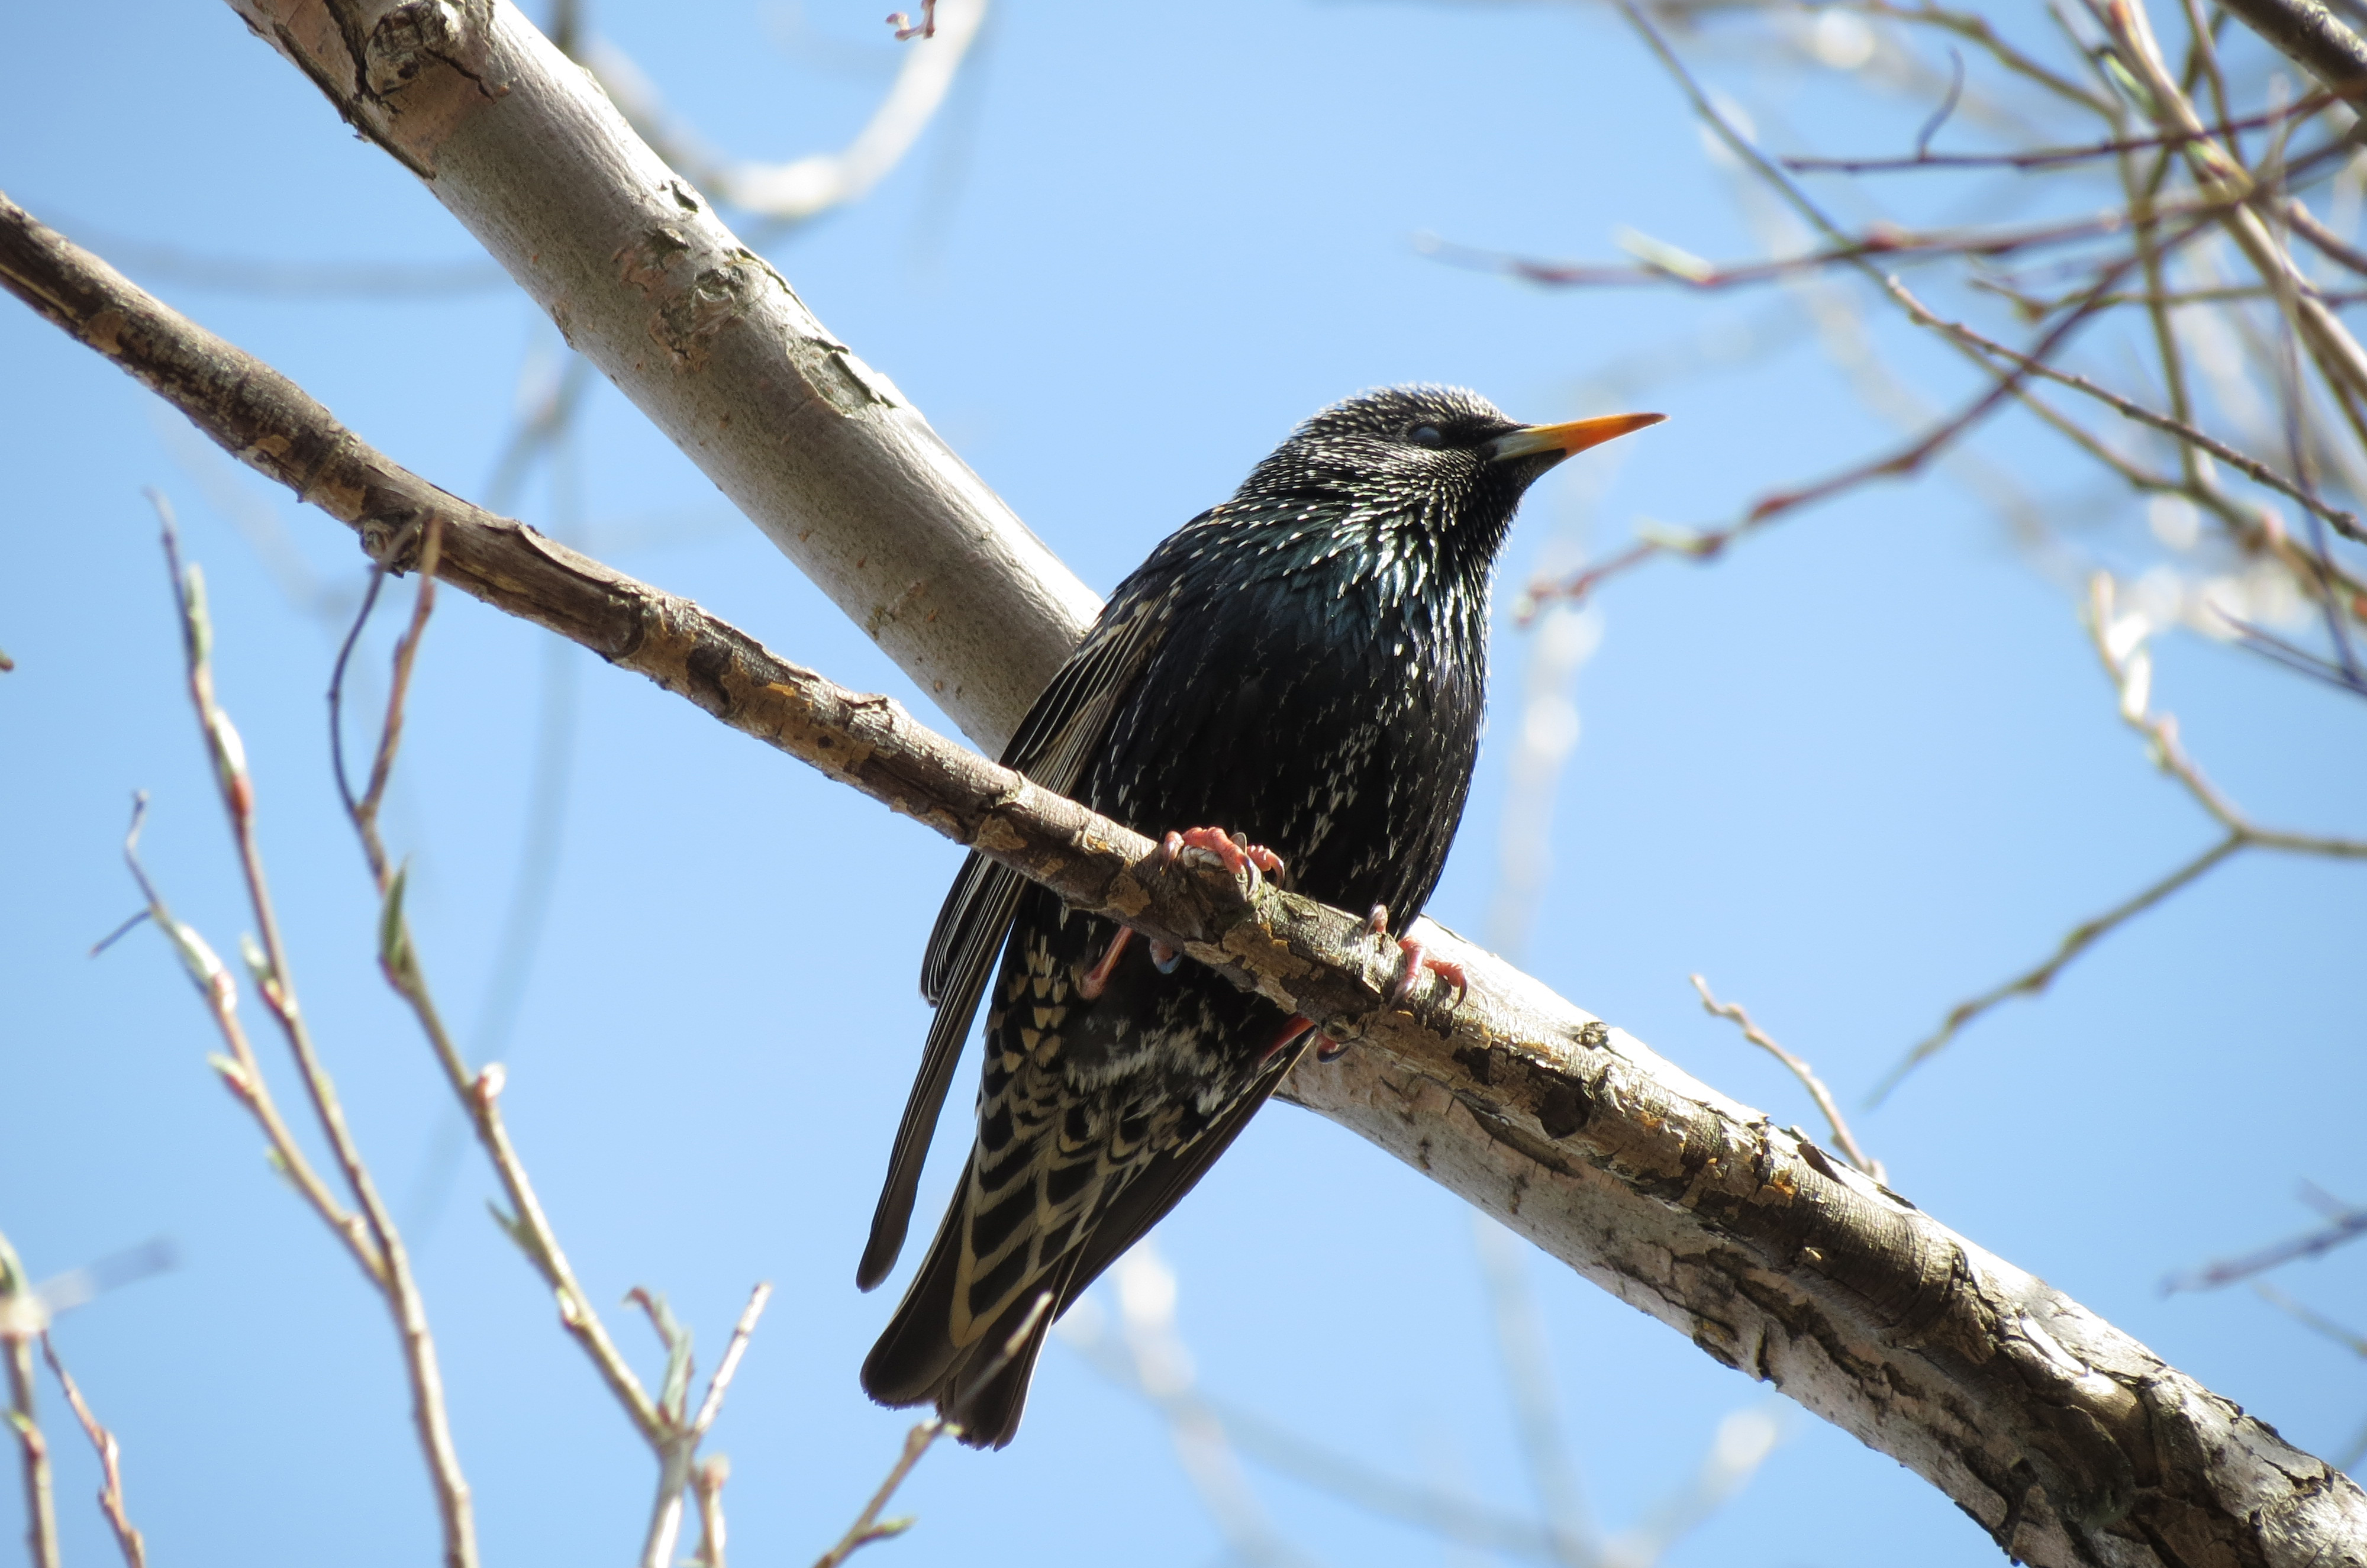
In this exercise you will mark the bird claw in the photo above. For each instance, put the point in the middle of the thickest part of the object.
(1164, 958)
(1417, 959)
(1231, 851)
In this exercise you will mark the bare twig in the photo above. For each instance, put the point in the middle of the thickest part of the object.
(240, 1071)
(868, 1526)
(1886, 244)
(1842, 1137)
(2349, 1338)
(32, 1446)
(2347, 523)
(1975, 28)
(2032, 981)
(274, 981)
(2120, 643)
(679, 1471)
(2050, 157)
(2347, 1224)
(479, 1091)
(729, 1368)
(129, 1540)
(662, 1422)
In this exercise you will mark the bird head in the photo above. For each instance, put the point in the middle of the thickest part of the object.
(1438, 458)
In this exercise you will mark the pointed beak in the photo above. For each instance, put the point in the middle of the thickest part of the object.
(1563, 440)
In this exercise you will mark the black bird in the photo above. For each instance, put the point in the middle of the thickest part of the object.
(1304, 665)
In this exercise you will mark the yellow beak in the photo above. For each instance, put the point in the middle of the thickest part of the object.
(1563, 440)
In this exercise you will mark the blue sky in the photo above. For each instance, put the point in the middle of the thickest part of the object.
(1861, 768)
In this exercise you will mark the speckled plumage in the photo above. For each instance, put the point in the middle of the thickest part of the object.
(1304, 665)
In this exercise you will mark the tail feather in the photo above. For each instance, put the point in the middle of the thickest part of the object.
(982, 1386)
(916, 1353)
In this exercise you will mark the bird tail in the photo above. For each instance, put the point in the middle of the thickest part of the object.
(980, 1387)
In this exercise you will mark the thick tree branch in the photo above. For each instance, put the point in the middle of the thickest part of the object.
(2067, 1440)
(641, 277)
(2309, 35)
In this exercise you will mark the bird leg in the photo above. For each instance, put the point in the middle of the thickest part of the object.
(1296, 1025)
(1233, 851)
(1095, 980)
(1292, 1027)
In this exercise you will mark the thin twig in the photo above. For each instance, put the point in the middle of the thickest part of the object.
(1842, 1137)
(727, 1369)
(2345, 523)
(1665, 265)
(868, 1526)
(24, 1419)
(2349, 1338)
(1975, 27)
(678, 1468)
(2032, 981)
(2045, 157)
(240, 1071)
(2119, 643)
(129, 1540)
(527, 1224)
(2347, 1225)
(274, 979)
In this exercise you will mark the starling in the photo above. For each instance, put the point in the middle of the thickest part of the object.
(1303, 666)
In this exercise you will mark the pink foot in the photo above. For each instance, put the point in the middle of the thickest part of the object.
(1232, 852)
(1418, 959)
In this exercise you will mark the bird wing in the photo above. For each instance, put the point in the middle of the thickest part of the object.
(1053, 743)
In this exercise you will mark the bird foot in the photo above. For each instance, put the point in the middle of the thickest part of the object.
(1232, 852)
(1417, 959)
(1094, 981)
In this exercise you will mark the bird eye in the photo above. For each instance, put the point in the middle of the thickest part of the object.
(1426, 436)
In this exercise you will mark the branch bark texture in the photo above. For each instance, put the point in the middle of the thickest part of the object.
(638, 273)
(2068, 1441)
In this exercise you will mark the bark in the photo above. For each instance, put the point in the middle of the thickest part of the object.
(2311, 36)
(639, 275)
(2067, 1440)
